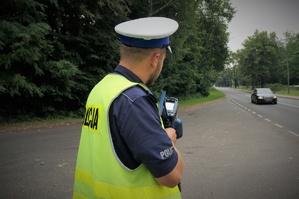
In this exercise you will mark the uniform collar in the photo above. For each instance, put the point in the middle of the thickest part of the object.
(127, 74)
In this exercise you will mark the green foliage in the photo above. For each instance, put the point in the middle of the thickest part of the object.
(53, 52)
(260, 57)
(292, 57)
(275, 86)
(292, 91)
(258, 61)
(264, 61)
(24, 50)
(199, 46)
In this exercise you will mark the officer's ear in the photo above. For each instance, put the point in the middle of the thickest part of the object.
(155, 57)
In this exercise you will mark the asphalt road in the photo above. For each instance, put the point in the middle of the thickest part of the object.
(284, 114)
(228, 152)
(38, 163)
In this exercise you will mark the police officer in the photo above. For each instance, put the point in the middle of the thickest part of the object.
(124, 150)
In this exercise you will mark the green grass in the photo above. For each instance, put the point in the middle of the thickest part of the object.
(285, 92)
(214, 95)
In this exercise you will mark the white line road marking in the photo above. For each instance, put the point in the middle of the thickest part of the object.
(268, 120)
(278, 125)
(291, 132)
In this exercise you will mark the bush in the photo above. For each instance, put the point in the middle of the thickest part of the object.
(275, 86)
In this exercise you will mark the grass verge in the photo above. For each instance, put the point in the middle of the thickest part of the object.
(41, 123)
(197, 100)
(285, 92)
(49, 123)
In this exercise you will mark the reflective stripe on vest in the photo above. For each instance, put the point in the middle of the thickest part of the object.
(99, 173)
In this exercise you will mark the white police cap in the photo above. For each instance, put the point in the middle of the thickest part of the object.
(150, 32)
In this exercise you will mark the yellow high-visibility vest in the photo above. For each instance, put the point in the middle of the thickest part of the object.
(99, 173)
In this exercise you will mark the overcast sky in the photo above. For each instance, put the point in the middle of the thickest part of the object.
(277, 16)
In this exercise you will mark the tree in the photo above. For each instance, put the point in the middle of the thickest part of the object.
(200, 46)
(259, 58)
(26, 63)
(292, 56)
(83, 31)
(53, 52)
(265, 60)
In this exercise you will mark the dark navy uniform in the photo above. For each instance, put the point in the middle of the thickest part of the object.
(136, 131)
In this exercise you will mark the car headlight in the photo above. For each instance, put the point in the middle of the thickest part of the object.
(260, 97)
(274, 97)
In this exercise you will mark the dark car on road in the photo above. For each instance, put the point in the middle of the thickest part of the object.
(263, 95)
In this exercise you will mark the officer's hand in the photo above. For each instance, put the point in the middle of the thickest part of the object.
(172, 134)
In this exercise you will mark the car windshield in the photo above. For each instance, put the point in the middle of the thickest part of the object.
(262, 91)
